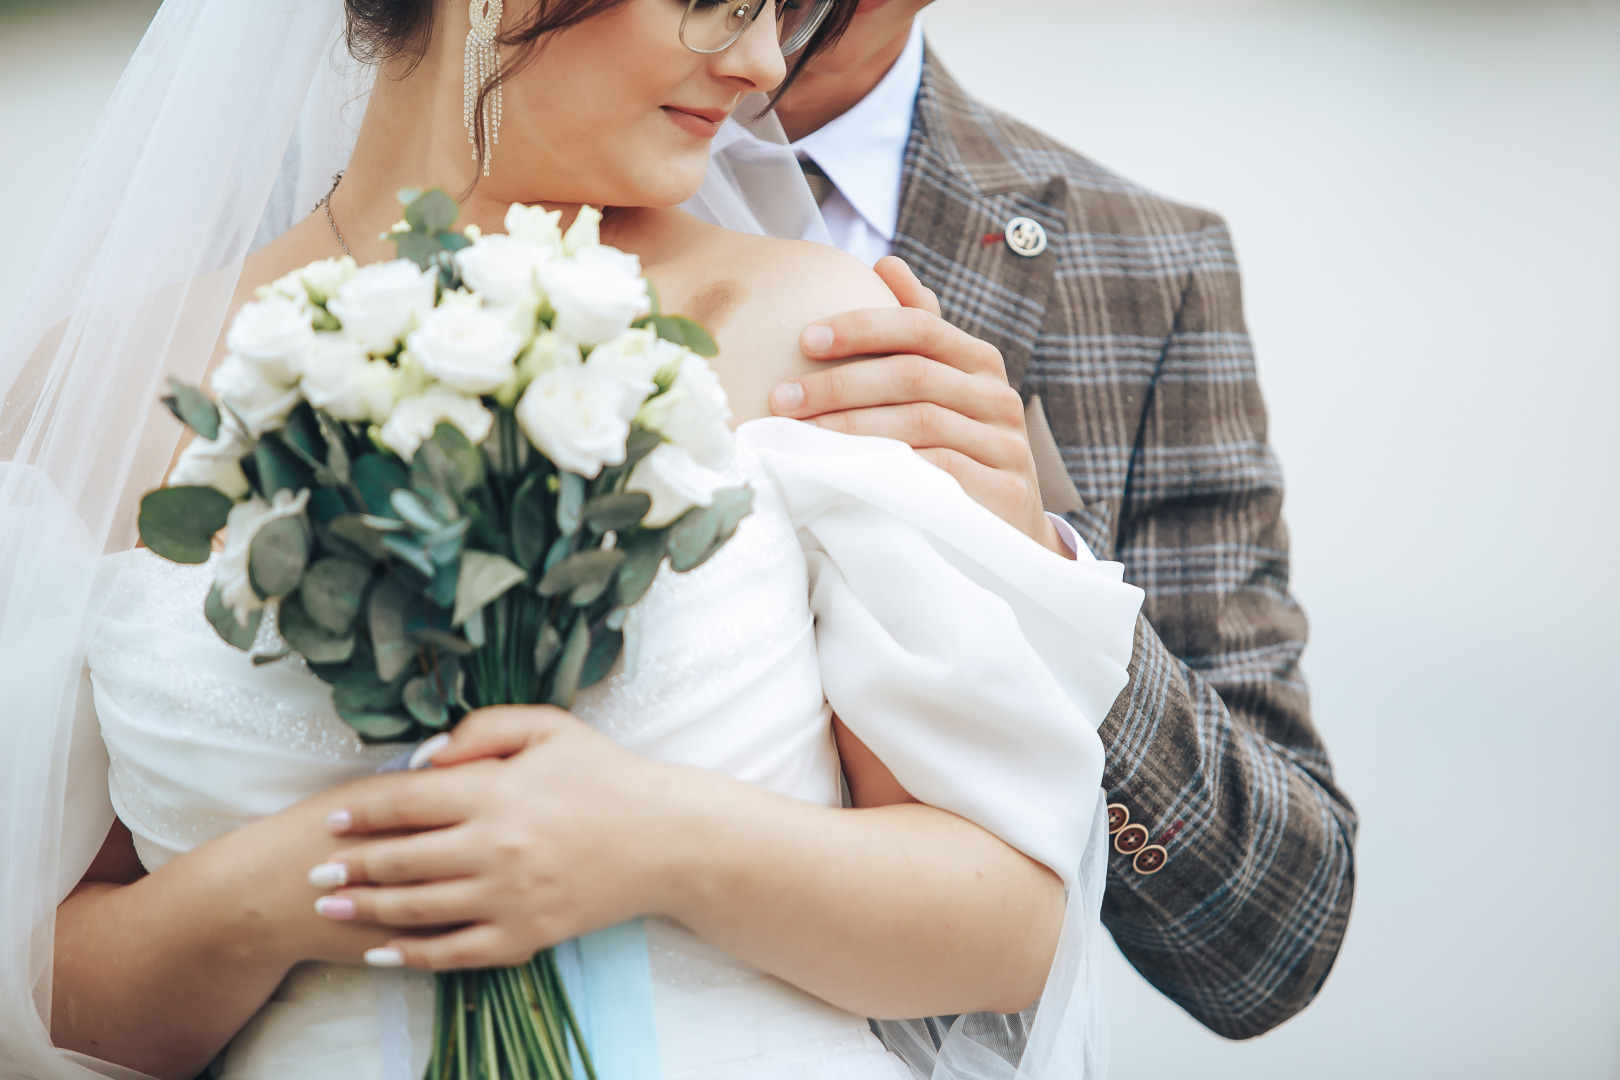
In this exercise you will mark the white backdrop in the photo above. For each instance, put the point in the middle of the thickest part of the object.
(1425, 200)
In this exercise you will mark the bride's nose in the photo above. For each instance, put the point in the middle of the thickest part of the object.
(757, 55)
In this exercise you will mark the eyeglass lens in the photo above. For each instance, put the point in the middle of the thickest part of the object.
(713, 25)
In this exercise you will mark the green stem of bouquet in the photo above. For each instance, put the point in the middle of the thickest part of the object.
(507, 1024)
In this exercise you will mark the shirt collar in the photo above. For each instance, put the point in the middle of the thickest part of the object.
(864, 150)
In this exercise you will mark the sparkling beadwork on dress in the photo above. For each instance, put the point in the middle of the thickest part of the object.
(483, 68)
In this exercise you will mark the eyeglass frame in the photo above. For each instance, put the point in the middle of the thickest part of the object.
(800, 39)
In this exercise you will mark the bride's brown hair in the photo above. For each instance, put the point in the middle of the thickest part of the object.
(385, 31)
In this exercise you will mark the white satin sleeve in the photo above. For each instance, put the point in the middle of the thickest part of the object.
(976, 664)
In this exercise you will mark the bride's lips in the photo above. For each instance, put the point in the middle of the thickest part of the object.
(704, 123)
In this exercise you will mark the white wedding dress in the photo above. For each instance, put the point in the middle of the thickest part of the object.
(976, 664)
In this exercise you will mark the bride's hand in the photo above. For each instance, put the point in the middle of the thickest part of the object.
(543, 831)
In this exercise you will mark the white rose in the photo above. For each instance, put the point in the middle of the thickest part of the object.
(415, 419)
(347, 383)
(536, 225)
(382, 303)
(675, 483)
(597, 294)
(636, 356)
(313, 284)
(585, 232)
(215, 463)
(261, 404)
(504, 270)
(546, 351)
(242, 524)
(466, 348)
(578, 417)
(693, 413)
(274, 333)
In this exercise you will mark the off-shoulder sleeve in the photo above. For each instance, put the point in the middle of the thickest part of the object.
(976, 664)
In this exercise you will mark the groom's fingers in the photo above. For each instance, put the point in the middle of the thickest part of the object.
(912, 293)
(896, 331)
(925, 425)
(897, 380)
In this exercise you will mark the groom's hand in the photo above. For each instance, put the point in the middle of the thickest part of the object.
(928, 384)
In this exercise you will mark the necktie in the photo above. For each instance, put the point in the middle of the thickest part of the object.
(821, 184)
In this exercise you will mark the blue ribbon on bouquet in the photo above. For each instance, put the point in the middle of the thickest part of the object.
(608, 977)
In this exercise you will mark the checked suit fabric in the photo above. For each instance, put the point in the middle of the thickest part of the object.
(1128, 334)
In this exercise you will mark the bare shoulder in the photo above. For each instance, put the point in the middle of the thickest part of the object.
(758, 294)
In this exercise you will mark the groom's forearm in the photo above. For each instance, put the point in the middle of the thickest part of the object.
(889, 912)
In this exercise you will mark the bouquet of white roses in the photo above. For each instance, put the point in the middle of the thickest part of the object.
(451, 476)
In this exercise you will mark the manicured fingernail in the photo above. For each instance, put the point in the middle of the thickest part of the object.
(339, 820)
(787, 397)
(335, 907)
(385, 958)
(817, 339)
(423, 757)
(329, 875)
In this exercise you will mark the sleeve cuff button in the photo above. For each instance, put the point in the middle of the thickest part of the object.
(1150, 860)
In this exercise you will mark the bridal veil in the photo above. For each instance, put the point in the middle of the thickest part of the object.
(225, 129)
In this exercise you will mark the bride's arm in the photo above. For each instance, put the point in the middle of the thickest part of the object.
(894, 910)
(156, 972)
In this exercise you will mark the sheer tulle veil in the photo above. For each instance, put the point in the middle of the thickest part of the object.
(225, 129)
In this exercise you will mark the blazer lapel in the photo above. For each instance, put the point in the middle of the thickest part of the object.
(959, 189)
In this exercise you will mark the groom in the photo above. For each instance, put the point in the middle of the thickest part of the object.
(1116, 316)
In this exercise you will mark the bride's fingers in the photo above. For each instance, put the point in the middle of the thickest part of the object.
(924, 425)
(498, 733)
(480, 946)
(442, 903)
(409, 801)
(896, 380)
(430, 856)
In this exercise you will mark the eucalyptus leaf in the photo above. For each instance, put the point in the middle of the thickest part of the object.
(377, 727)
(474, 628)
(444, 639)
(606, 645)
(682, 331)
(193, 409)
(414, 511)
(280, 469)
(432, 211)
(641, 443)
(385, 618)
(423, 701)
(570, 502)
(179, 523)
(301, 432)
(223, 620)
(418, 247)
(565, 682)
(616, 511)
(531, 521)
(452, 241)
(644, 552)
(277, 557)
(734, 504)
(377, 477)
(546, 649)
(332, 591)
(558, 552)
(311, 640)
(362, 532)
(411, 553)
(337, 451)
(593, 567)
(692, 537)
(447, 463)
(484, 577)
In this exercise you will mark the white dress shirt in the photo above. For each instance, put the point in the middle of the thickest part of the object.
(863, 152)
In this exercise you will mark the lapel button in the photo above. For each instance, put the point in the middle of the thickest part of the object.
(1026, 237)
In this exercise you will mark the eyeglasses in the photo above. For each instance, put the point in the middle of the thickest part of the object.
(712, 26)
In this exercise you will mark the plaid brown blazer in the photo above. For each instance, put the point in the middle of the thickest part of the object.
(1129, 331)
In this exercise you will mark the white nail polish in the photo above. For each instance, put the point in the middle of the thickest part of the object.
(329, 875)
(385, 958)
(420, 759)
(339, 820)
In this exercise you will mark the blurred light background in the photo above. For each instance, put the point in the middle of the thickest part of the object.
(1425, 200)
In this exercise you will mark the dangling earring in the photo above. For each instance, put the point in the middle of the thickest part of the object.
(483, 67)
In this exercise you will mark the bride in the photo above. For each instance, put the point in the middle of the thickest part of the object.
(204, 869)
